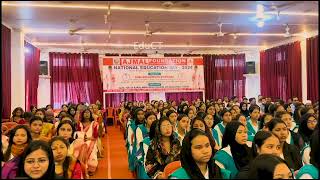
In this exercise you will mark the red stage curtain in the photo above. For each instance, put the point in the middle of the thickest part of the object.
(280, 71)
(223, 75)
(93, 81)
(294, 84)
(239, 68)
(73, 82)
(6, 72)
(65, 70)
(313, 69)
(32, 68)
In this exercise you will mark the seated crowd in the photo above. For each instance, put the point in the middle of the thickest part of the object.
(53, 144)
(212, 139)
(222, 139)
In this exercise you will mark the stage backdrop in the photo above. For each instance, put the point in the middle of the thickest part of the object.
(144, 74)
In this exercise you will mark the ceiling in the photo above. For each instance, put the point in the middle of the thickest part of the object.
(50, 25)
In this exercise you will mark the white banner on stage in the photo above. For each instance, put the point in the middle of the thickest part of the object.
(158, 74)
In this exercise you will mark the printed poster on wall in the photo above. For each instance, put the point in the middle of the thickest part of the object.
(146, 74)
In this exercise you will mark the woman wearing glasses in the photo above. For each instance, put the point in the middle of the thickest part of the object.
(37, 162)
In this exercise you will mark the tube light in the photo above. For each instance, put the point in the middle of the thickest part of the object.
(123, 8)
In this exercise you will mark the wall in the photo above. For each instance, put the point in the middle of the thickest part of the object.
(44, 93)
(17, 69)
(253, 80)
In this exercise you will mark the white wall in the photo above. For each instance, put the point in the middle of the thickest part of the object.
(44, 93)
(17, 69)
(253, 80)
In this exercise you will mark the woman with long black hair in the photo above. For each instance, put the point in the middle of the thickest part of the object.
(290, 153)
(268, 166)
(19, 139)
(164, 149)
(264, 142)
(38, 152)
(65, 166)
(197, 157)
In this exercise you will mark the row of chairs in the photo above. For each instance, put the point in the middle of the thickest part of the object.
(111, 115)
(169, 169)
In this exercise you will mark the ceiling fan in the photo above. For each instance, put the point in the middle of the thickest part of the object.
(73, 31)
(220, 33)
(107, 16)
(287, 33)
(149, 32)
(191, 51)
(83, 48)
(238, 51)
(109, 33)
(278, 8)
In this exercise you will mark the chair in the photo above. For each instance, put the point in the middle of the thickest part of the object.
(116, 115)
(110, 115)
(171, 167)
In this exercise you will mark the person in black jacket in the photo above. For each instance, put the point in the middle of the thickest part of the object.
(264, 142)
(293, 138)
(315, 148)
(290, 153)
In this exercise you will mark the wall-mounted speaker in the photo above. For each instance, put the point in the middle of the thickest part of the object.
(43, 68)
(250, 67)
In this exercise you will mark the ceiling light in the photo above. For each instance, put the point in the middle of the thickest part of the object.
(120, 32)
(287, 33)
(123, 8)
(260, 24)
(260, 11)
(132, 45)
(234, 36)
(105, 19)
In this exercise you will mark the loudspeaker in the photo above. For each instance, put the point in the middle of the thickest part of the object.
(43, 67)
(250, 67)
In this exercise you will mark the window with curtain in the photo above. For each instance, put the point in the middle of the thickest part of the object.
(280, 71)
(313, 69)
(72, 81)
(32, 68)
(223, 75)
(6, 72)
